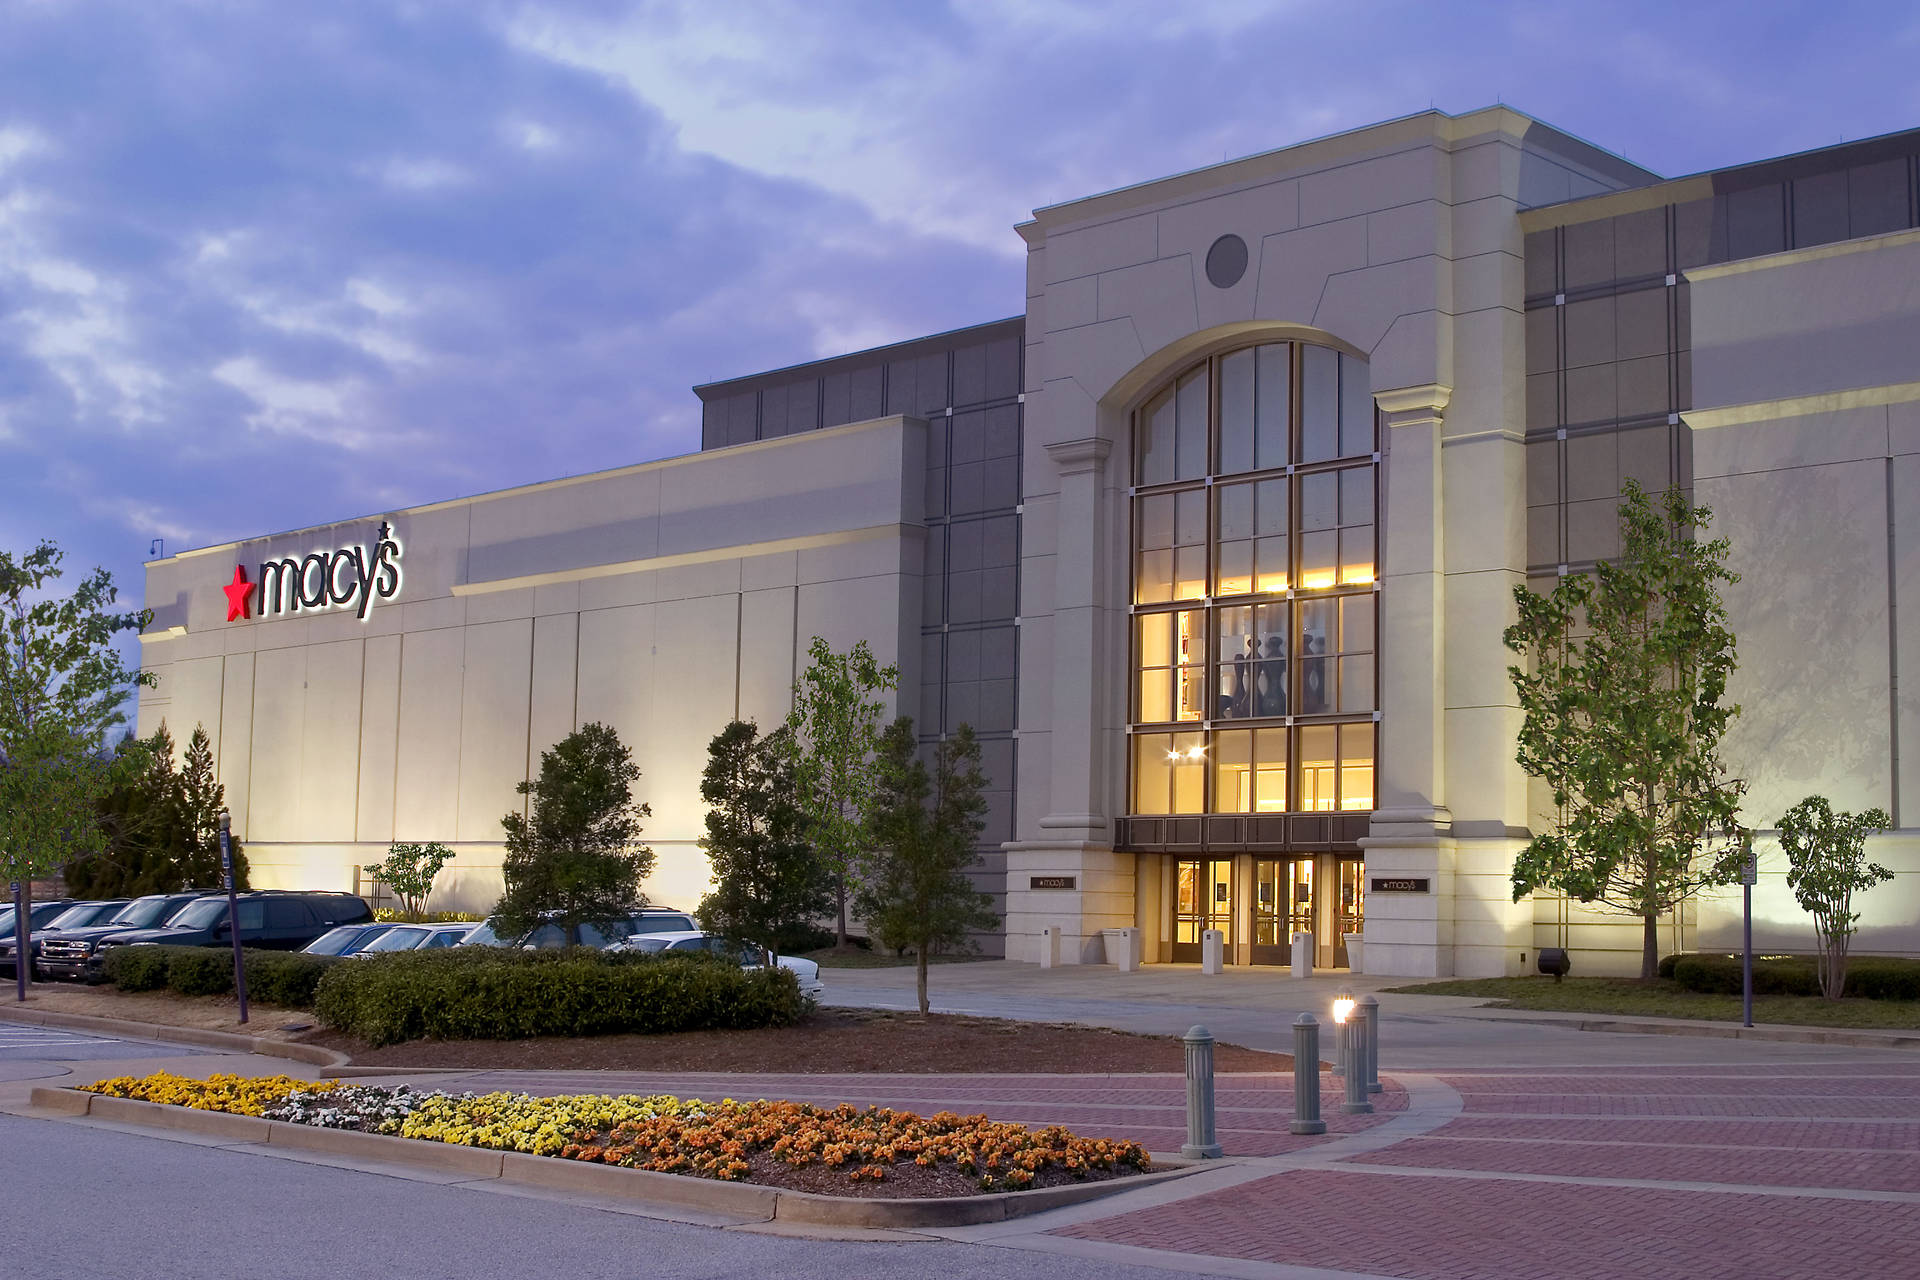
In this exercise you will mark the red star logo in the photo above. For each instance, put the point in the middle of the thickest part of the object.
(237, 592)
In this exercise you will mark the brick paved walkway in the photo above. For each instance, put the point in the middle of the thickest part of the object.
(1741, 1172)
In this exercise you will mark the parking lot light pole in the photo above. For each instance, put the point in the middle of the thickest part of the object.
(233, 912)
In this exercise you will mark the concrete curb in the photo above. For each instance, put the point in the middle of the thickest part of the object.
(1676, 1027)
(736, 1199)
(311, 1054)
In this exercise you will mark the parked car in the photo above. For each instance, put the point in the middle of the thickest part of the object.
(748, 955)
(73, 954)
(550, 936)
(417, 937)
(275, 919)
(347, 940)
(40, 915)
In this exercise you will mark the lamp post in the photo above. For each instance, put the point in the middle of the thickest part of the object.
(233, 912)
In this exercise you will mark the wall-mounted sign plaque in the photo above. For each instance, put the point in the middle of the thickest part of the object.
(1053, 882)
(350, 577)
(1399, 884)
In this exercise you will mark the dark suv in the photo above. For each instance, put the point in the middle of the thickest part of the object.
(274, 919)
(74, 953)
(39, 915)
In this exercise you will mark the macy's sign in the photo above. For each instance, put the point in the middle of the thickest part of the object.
(350, 576)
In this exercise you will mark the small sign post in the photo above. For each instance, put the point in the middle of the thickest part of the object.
(1749, 876)
(21, 929)
(233, 912)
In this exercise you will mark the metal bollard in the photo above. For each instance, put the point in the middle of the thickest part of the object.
(1306, 1076)
(1201, 1142)
(1369, 1010)
(1356, 1103)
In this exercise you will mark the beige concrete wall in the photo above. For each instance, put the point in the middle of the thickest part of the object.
(1400, 243)
(662, 599)
(1806, 442)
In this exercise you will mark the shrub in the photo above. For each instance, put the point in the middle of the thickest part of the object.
(200, 971)
(798, 939)
(136, 968)
(484, 993)
(1667, 963)
(286, 978)
(1870, 978)
(1884, 978)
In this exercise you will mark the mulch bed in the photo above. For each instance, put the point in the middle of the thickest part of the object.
(829, 1041)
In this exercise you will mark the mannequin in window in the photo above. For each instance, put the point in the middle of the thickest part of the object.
(1271, 682)
(1245, 667)
(1313, 676)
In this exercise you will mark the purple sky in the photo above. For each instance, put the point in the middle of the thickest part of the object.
(276, 264)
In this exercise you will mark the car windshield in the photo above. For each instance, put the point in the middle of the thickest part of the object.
(483, 935)
(201, 914)
(335, 941)
(79, 917)
(6, 922)
(402, 939)
(144, 913)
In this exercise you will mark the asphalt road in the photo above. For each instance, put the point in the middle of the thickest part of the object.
(110, 1205)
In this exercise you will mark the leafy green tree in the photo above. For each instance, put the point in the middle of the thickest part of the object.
(768, 882)
(916, 893)
(573, 857)
(63, 689)
(409, 870)
(1826, 865)
(1623, 691)
(162, 825)
(832, 733)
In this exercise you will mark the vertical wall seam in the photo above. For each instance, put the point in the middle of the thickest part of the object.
(399, 685)
(533, 649)
(739, 640)
(1893, 646)
(359, 746)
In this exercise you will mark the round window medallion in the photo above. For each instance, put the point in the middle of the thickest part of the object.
(1227, 261)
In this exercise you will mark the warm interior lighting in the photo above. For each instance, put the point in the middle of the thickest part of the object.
(1315, 581)
(1194, 753)
(1356, 575)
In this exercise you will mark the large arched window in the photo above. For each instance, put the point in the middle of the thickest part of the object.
(1255, 602)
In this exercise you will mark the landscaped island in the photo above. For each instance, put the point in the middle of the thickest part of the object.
(784, 1144)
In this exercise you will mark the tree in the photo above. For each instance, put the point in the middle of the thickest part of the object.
(161, 825)
(63, 688)
(833, 731)
(1826, 865)
(572, 858)
(924, 829)
(409, 870)
(768, 882)
(1623, 693)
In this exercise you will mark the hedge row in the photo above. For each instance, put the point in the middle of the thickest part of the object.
(488, 993)
(285, 978)
(1868, 977)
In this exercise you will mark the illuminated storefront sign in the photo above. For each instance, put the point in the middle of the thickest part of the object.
(350, 576)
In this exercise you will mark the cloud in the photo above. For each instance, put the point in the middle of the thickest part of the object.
(264, 266)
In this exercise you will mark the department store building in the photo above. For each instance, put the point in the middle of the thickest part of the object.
(1213, 544)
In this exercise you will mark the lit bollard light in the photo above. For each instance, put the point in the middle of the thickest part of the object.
(1201, 1141)
(1370, 1019)
(1342, 1010)
(1356, 1103)
(1306, 1076)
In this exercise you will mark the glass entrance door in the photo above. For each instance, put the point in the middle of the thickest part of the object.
(1202, 899)
(1282, 907)
(1350, 911)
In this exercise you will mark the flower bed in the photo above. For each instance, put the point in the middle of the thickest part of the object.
(791, 1144)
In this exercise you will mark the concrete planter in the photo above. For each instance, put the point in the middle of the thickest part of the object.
(738, 1199)
(1355, 944)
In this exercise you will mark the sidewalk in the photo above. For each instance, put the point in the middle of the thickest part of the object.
(1256, 1008)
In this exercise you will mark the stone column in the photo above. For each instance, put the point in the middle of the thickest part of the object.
(1411, 832)
(1090, 655)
